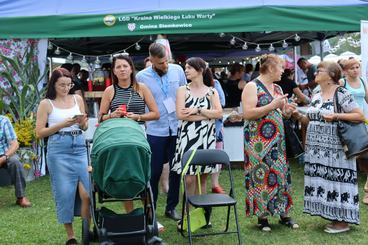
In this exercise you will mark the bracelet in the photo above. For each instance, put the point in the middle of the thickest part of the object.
(139, 118)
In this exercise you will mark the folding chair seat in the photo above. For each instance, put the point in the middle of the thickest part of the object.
(207, 201)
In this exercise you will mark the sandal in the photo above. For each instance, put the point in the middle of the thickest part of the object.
(263, 225)
(71, 241)
(289, 222)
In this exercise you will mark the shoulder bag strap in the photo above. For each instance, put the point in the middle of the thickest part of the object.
(185, 170)
(337, 106)
(263, 87)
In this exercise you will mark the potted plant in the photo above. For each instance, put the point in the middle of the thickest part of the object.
(21, 95)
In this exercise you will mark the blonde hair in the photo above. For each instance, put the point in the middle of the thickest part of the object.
(269, 60)
(350, 63)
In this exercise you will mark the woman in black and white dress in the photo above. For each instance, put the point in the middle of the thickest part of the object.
(330, 179)
(197, 107)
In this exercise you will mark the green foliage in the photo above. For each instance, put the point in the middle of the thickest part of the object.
(24, 96)
(346, 42)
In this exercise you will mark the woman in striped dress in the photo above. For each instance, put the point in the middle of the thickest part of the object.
(125, 90)
(197, 107)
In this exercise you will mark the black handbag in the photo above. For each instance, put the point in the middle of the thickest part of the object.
(294, 147)
(353, 136)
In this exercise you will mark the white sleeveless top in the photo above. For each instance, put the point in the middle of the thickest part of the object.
(59, 115)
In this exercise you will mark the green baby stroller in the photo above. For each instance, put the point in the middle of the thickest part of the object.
(121, 159)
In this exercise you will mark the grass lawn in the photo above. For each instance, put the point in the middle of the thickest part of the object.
(38, 225)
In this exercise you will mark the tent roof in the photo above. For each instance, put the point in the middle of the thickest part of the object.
(95, 18)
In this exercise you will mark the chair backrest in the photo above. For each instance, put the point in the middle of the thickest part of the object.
(206, 157)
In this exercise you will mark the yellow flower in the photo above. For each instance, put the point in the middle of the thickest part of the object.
(25, 131)
(27, 166)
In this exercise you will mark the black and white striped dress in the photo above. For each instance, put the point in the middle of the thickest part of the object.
(195, 135)
(133, 101)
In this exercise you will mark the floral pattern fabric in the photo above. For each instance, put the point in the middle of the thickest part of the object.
(330, 179)
(267, 173)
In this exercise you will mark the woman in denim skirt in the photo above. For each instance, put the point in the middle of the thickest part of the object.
(66, 150)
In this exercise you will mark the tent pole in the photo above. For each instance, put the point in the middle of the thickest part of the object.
(295, 65)
(321, 48)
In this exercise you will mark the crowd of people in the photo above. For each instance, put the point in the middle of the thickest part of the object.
(180, 110)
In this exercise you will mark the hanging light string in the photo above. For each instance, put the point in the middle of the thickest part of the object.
(271, 48)
(71, 55)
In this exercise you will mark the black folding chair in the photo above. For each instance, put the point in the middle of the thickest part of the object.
(207, 201)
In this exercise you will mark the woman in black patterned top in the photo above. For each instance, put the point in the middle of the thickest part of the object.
(125, 90)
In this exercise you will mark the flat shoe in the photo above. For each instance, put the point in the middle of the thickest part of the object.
(263, 225)
(332, 230)
(72, 241)
(289, 222)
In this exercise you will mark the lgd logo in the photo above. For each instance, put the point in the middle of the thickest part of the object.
(131, 26)
(109, 20)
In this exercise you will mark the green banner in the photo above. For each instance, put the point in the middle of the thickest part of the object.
(258, 19)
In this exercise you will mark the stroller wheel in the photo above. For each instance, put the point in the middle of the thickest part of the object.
(85, 232)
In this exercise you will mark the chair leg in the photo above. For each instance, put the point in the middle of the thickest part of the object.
(228, 219)
(188, 224)
(237, 225)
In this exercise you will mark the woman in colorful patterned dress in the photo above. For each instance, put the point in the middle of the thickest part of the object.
(330, 180)
(267, 173)
(197, 107)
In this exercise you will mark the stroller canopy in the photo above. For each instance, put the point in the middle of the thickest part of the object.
(121, 158)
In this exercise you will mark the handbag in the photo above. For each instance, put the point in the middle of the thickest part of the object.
(353, 136)
(294, 147)
(197, 216)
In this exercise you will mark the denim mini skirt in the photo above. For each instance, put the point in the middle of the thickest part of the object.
(67, 163)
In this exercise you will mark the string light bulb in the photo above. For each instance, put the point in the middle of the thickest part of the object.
(50, 46)
(57, 51)
(97, 61)
(245, 46)
(232, 41)
(137, 46)
(297, 38)
(258, 48)
(69, 58)
(271, 48)
(84, 61)
(285, 44)
(125, 53)
(222, 34)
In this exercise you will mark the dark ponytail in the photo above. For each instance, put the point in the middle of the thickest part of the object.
(208, 77)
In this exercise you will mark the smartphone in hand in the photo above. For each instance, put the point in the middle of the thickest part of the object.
(78, 116)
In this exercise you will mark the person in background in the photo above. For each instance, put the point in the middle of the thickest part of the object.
(309, 69)
(67, 66)
(77, 88)
(66, 148)
(219, 127)
(163, 79)
(235, 85)
(290, 88)
(355, 84)
(248, 72)
(83, 77)
(330, 179)
(255, 73)
(267, 171)
(10, 161)
(147, 62)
